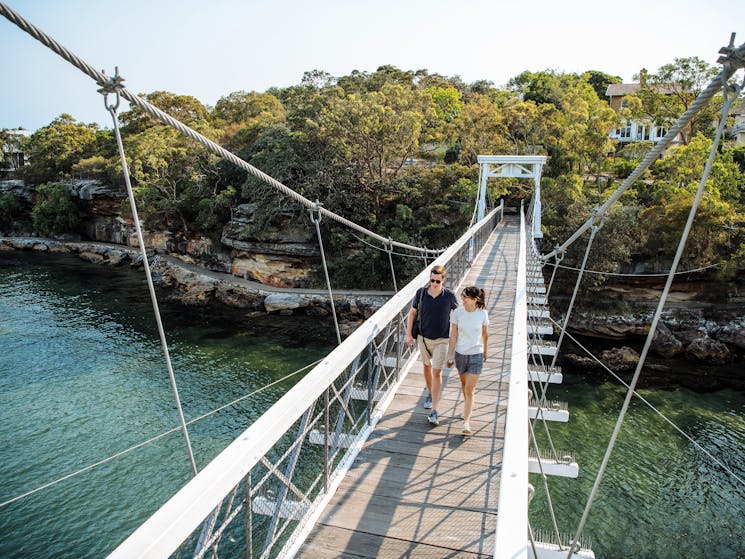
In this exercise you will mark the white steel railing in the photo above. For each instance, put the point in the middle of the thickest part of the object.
(261, 495)
(511, 539)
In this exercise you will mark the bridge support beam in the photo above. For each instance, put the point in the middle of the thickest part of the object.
(553, 551)
(512, 166)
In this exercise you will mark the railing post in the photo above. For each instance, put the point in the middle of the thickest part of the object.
(326, 429)
(249, 518)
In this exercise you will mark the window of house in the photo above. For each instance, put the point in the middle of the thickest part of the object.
(660, 131)
(624, 132)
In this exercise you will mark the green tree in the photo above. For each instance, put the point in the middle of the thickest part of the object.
(584, 123)
(54, 149)
(10, 207)
(482, 129)
(184, 108)
(682, 168)
(242, 117)
(666, 95)
(168, 171)
(377, 131)
(709, 239)
(600, 81)
(56, 211)
(527, 124)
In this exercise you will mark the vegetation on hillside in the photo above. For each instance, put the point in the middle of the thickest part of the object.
(395, 151)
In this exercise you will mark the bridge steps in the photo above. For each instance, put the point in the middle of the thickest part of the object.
(544, 373)
(564, 466)
(551, 410)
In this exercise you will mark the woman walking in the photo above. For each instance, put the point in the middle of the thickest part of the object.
(467, 347)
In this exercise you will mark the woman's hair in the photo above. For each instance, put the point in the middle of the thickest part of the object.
(476, 293)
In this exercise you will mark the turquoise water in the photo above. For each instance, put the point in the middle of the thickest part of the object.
(82, 377)
(661, 497)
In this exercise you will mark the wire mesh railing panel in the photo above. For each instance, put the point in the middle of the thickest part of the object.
(260, 496)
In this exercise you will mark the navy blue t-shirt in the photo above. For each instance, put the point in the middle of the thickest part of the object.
(434, 315)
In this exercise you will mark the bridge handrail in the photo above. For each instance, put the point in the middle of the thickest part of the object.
(174, 523)
(511, 538)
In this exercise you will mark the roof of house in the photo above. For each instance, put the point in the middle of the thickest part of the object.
(616, 89)
(621, 89)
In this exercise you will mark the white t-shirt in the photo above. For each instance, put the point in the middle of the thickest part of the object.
(469, 330)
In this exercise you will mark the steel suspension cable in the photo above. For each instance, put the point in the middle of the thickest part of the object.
(733, 60)
(618, 274)
(559, 257)
(593, 232)
(156, 437)
(151, 288)
(663, 298)
(117, 83)
(317, 223)
(544, 478)
(389, 250)
(655, 410)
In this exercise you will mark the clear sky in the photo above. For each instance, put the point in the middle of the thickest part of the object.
(210, 49)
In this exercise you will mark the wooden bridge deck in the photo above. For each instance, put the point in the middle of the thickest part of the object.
(421, 491)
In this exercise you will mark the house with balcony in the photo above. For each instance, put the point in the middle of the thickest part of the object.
(12, 156)
(738, 129)
(643, 130)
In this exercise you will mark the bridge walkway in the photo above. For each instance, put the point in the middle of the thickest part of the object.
(421, 491)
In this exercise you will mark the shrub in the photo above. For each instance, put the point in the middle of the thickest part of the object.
(10, 206)
(56, 211)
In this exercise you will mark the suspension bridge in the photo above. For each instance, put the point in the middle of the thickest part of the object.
(345, 464)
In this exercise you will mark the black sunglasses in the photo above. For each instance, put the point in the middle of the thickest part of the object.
(435, 281)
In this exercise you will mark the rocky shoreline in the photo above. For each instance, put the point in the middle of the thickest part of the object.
(195, 286)
(687, 350)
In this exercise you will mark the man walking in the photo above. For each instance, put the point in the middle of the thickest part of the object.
(434, 304)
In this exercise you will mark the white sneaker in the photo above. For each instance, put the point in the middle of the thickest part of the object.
(466, 428)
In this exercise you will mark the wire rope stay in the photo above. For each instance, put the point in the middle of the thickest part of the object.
(618, 274)
(728, 100)
(653, 408)
(105, 82)
(146, 265)
(315, 217)
(732, 60)
(155, 438)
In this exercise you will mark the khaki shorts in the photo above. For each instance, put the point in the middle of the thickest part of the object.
(433, 351)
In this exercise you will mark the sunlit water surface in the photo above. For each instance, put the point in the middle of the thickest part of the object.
(82, 377)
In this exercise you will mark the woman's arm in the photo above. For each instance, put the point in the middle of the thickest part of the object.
(451, 344)
(485, 338)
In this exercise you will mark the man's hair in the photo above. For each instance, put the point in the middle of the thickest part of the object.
(438, 270)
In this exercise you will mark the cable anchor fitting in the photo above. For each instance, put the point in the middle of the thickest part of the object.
(733, 57)
(112, 85)
(315, 212)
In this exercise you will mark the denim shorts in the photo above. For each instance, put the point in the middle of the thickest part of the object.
(472, 364)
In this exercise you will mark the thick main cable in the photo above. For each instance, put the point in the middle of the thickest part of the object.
(734, 60)
(104, 81)
(658, 312)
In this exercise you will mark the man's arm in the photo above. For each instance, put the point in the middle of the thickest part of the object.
(409, 326)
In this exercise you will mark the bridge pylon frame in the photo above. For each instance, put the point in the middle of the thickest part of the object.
(512, 166)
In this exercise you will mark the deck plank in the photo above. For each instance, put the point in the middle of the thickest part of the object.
(416, 490)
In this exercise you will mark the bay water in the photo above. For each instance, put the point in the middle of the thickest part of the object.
(82, 378)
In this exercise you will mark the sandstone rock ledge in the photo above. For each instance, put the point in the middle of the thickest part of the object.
(196, 286)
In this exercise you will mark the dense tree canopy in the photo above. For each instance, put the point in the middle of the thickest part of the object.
(396, 151)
